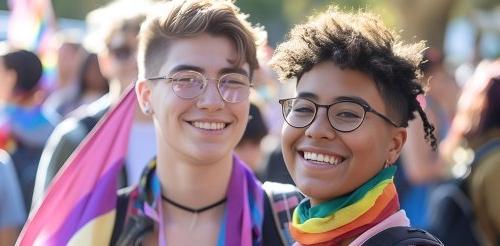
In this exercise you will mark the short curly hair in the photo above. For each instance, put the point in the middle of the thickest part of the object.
(359, 41)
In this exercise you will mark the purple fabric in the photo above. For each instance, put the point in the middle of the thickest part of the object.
(100, 201)
(243, 211)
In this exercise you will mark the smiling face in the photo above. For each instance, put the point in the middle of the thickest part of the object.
(204, 129)
(325, 163)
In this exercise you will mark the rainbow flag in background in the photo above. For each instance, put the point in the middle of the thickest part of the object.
(32, 26)
(80, 205)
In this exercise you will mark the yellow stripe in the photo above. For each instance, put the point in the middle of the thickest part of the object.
(343, 216)
(95, 232)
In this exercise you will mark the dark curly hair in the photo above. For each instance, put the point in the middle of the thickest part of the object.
(359, 41)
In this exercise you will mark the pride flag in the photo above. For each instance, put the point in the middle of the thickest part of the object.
(80, 205)
(32, 26)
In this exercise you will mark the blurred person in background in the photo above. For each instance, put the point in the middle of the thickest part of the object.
(24, 124)
(473, 149)
(249, 148)
(70, 55)
(268, 88)
(113, 33)
(91, 84)
(12, 210)
(421, 167)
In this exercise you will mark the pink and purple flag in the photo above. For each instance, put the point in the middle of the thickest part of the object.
(80, 205)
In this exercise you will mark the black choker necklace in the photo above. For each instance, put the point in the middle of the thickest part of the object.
(192, 210)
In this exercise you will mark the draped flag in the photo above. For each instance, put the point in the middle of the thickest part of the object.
(32, 26)
(80, 205)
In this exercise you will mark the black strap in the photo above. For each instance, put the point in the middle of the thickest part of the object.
(403, 236)
(270, 234)
(121, 214)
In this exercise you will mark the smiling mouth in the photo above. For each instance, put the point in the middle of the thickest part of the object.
(211, 126)
(321, 158)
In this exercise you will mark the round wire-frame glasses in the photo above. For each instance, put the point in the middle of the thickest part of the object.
(343, 115)
(232, 87)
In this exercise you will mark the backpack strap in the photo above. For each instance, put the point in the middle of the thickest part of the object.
(402, 236)
(122, 204)
(283, 198)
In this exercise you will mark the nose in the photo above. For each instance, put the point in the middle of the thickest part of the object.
(210, 98)
(321, 128)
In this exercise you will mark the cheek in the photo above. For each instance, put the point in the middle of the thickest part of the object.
(367, 146)
(289, 138)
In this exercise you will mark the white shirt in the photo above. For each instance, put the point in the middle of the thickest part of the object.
(141, 149)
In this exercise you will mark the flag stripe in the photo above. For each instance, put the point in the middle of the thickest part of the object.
(96, 231)
(98, 202)
(95, 163)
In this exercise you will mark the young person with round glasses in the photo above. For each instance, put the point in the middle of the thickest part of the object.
(357, 88)
(196, 60)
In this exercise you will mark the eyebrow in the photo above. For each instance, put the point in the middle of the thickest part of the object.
(186, 67)
(183, 67)
(314, 97)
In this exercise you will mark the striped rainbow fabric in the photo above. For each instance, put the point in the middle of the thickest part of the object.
(349, 216)
(79, 207)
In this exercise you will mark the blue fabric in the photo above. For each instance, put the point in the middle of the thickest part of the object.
(12, 212)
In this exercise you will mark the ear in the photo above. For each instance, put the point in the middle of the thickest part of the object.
(396, 144)
(144, 94)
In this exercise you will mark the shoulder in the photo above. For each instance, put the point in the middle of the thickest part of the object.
(282, 192)
(402, 236)
(281, 200)
(78, 126)
(6, 168)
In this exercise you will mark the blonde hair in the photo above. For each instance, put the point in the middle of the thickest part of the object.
(189, 18)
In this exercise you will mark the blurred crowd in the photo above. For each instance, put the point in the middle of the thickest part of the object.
(40, 128)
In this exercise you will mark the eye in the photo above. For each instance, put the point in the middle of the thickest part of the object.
(234, 81)
(188, 82)
(348, 114)
(303, 109)
(302, 106)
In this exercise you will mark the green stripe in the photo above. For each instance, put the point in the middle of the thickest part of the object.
(329, 207)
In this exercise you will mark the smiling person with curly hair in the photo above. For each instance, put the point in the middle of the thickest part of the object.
(357, 88)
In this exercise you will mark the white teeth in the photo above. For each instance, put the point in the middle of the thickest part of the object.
(209, 125)
(328, 159)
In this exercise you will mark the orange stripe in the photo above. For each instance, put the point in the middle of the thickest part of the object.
(381, 203)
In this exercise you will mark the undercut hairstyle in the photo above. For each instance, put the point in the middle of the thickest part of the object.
(185, 19)
(359, 41)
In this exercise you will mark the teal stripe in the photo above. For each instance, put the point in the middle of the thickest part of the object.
(221, 241)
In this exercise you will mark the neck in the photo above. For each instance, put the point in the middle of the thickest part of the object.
(193, 184)
(115, 90)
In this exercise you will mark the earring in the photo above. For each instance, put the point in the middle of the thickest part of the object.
(386, 164)
(147, 109)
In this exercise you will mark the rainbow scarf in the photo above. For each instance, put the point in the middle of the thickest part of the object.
(243, 218)
(348, 216)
